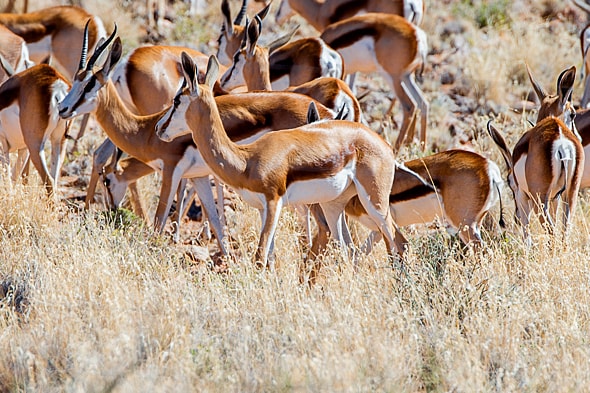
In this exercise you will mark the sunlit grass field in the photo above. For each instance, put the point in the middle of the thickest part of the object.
(95, 302)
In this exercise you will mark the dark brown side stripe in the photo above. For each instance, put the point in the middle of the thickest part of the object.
(349, 38)
(410, 194)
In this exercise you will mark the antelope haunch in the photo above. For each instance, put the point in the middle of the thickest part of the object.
(29, 116)
(56, 31)
(250, 67)
(320, 14)
(546, 163)
(336, 159)
(367, 42)
(149, 77)
(14, 50)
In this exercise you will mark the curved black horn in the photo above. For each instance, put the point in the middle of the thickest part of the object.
(242, 12)
(84, 54)
(98, 51)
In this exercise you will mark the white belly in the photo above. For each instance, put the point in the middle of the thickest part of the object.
(360, 56)
(319, 190)
(417, 211)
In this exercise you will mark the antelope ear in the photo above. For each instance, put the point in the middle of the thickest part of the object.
(565, 85)
(189, 70)
(212, 71)
(227, 23)
(541, 94)
(501, 143)
(113, 56)
(253, 34)
(276, 44)
(312, 113)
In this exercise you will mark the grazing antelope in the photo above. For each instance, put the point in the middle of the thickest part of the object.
(559, 105)
(336, 159)
(546, 163)
(250, 67)
(248, 115)
(456, 185)
(56, 32)
(14, 50)
(29, 116)
(366, 43)
(291, 64)
(320, 13)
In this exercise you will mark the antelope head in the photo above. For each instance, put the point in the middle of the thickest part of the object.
(252, 59)
(232, 33)
(560, 104)
(90, 76)
(173, 123)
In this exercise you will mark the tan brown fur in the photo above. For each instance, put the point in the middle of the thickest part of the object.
(13, 49)
(151, 76)
(65, 25)
(549, 171)
(320, 14)
(389, 34)
(32, 90)
(462, 182)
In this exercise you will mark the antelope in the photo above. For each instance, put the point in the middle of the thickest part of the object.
(456, 185)
(251, 68)
(291, 64)
(366, 43)
(248, 115)
(559, 105)
(29, 116)
(320, 14)
(56, 31)
(14, 50)
(336, 159)
(546, 163)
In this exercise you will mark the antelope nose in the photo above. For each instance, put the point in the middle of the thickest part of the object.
(63, 110)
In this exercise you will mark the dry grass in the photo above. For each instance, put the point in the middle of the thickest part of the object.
(89, 304)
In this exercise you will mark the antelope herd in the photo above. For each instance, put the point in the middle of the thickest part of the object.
(297, 137)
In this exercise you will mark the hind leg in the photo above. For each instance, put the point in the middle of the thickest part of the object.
(416, 93)
(408, 108)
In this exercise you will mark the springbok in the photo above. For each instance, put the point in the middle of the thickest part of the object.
(56, 32)
(250, 67)
(248, 116)
(559, 105)
(29, 116)
(366, 43)
(546, 163)
(457, 186)
(336, 159)
(320, 13)
(291, 64)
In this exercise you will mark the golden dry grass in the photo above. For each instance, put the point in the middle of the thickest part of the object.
(89, 304)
